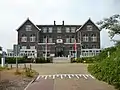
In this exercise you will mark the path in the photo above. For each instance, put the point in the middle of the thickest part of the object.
(66, 76)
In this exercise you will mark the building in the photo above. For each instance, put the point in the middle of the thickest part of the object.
(59, 40)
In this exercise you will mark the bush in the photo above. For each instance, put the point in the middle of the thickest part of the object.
(108, 69)
(83, 60)
(42, 60)
(72, 60)
(12, 60)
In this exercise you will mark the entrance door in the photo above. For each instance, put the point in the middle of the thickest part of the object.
(59, 51)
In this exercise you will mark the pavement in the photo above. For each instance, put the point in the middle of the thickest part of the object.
(66, 76)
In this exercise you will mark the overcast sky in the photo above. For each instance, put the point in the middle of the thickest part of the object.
(14, 12)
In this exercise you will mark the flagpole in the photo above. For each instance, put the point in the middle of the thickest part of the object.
(76, 49)
(46, 50)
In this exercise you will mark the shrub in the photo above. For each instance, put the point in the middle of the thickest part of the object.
(72, 60)
(12, 60)
(108, 68)
(83, 60)
(42, 60)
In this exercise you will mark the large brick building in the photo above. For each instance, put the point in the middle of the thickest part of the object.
(60, 39)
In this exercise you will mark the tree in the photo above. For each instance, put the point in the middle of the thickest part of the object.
(0, 48)
(112, 24)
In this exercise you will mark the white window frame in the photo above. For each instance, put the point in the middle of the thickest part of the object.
(67, 29)
(28, 27)
(72, 40)
(59, 30)
(50, 40)
(50, 29)
(85, 38)
(89, 27)
(24, 47)
(94, 38)
(67, 40)
(43, 48)
(24, 39)
(44, 39)
(73, 29)
(32, 47)
(32, 38)
(44, 29)
(94, 46)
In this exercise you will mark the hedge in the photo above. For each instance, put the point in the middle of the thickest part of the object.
(12, 60)
(108, 69)
(83, 60)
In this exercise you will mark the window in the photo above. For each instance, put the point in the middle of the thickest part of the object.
(72, 39)
(68, 39)
(32, 47)
(44, 39)
(73, 29)
(24, 47)
(85, 38)
(24, 38)
(50, 29)
(32, 38)
(93, 38)
(67, 29)
(28, 27)
(89, 27)
(58, 36)
(59, 30)
(50, 40)
(43, 48)
(86, 46)
(44, 30)
(93, 46)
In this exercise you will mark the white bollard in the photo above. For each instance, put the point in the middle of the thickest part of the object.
(2, 62)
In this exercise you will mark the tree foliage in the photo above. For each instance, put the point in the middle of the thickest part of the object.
(108, 69)
(112, 24)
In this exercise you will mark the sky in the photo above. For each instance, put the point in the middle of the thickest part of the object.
(14, 12)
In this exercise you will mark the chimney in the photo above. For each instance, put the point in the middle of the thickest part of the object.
(62, 22)
(54, 22)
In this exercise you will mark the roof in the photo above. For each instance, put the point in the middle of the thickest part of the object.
(30, 22)
(58, 25)
(86, 23)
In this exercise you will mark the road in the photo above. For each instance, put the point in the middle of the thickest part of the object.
(66, 76)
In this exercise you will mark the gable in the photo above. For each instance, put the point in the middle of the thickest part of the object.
(88, 23)
(28, 22)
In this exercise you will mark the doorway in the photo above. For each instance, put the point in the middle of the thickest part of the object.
(59, 52)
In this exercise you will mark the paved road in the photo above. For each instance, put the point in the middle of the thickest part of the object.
(66, 76)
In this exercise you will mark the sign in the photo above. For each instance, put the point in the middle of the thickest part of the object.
(16, 49)
(59, 41)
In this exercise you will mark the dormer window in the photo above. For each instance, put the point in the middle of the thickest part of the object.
(28, 27)
(89, 28)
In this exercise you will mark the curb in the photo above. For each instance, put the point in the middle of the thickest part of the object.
(31, 82)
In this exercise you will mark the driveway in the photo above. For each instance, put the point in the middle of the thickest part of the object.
(66, 76)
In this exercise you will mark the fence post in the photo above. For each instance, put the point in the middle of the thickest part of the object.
(30, 66)
(11, 66)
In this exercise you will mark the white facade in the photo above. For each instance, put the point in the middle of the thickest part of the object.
(31, 53)
(89, 52)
